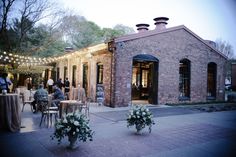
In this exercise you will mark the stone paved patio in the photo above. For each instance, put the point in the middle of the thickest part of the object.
(187, 135)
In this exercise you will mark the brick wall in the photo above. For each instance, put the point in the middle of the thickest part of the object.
(169, 48)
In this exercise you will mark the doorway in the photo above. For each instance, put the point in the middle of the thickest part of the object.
(145, 79)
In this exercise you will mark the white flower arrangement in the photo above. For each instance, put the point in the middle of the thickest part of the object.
(73, 124)
(140, 116)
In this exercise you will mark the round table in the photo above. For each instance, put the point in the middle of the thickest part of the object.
(67, 106)
(10, 112)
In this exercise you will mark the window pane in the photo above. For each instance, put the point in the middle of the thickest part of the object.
(85, 77)
(99, 73)
(211, 80)
(74, 75)
(184, 78)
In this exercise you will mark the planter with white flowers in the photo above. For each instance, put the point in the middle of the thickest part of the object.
(75, 126)
(140, 117)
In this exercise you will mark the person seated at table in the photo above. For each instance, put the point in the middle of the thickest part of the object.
(40, 95)
(57, 96)
(5, 82)
(81, 94)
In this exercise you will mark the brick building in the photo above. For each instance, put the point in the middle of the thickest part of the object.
(164, 65)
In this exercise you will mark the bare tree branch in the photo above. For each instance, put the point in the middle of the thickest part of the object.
(225, 48)
(5, 6)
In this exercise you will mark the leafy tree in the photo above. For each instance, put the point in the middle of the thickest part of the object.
(45, 42)
(80, 33)
(18, 18)
(89, 33)
(123, 29)
(23, 33)
(118, 30)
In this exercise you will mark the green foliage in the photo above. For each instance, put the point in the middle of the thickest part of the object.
(140, 116)
(24, 33)
(73, 124)
(80, 33)
(88, 34)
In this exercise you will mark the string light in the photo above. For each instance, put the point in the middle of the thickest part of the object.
(27, 60)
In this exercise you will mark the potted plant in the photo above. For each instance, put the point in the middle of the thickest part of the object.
(140, 116)
(75, 126)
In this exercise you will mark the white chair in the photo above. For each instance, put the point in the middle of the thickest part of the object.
(85, 107)
(27, 98)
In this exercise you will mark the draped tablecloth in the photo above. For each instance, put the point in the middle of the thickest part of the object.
(10, 112)
(67, 106)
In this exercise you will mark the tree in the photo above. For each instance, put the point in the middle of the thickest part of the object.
(79, 33)
(18, 18)
(22, 30)
(225, 48)
(123, 29)
(5, 8)
(118, 30)
(45, 42)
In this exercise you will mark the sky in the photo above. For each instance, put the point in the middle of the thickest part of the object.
(210, 19)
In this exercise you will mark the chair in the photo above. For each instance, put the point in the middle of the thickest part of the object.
(25, 101)
(47, 111)
(85, 107)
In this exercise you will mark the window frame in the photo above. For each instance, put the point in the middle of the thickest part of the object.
(184, 80)
(213, 70)
(100, 70)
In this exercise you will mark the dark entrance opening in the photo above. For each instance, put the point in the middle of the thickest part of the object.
(145, 78)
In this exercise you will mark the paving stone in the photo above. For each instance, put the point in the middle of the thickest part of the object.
(190, 135)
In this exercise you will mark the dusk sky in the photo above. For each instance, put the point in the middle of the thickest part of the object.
(210, 19)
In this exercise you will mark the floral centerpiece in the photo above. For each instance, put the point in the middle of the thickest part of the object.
(140, 116)
(75, 126)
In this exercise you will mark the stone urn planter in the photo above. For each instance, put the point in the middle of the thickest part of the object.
(73, 142)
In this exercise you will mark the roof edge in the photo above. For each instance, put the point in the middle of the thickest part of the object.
(154, 32)
(145, 34)
(203, 41)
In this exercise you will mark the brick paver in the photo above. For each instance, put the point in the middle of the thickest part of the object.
(200, 134)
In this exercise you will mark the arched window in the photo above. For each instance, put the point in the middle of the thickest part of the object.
(211, 80)
(184, 79)
(99, 73)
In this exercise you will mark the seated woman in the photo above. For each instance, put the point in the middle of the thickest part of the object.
(57, 96)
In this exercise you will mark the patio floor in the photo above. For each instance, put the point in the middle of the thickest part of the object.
(178, 132)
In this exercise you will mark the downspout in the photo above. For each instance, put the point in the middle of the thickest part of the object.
(111, 48)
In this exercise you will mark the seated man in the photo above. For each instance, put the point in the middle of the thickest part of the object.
(40, 95)
(57, 96)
